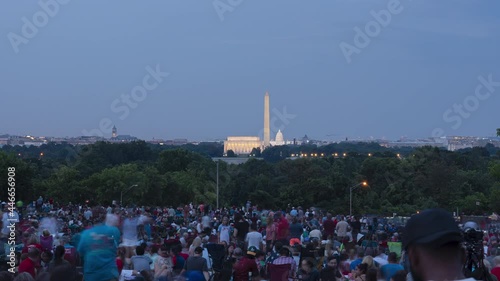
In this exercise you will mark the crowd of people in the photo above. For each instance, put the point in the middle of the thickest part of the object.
(197, 242)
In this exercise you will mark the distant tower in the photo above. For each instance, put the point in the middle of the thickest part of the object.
(267, 128)
(114, 133)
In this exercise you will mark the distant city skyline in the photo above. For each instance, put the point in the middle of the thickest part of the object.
(186, 70)
(288, 139)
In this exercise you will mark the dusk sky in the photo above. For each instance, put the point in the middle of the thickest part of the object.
(426, 58)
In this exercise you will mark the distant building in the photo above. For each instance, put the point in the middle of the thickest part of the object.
(245, 144)
(415, 143)
(180, 141)
(157, 141)
(121, 138)
(242, 145)
(305, 140)
(279, 140)
(34, 143)
(124, 138)
(84, 140)
(462, 142)
(4, 140)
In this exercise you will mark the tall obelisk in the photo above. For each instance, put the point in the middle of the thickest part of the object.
(267, 129)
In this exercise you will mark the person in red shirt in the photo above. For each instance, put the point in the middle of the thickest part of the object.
(328, 227)
(31, 242)
(246, 265)
(120, 258)
(496, 270)
(31, 263)
(283, 230)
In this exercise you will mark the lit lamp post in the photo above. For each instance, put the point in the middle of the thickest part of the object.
(121, 193)
(364, 183)
(218, 184)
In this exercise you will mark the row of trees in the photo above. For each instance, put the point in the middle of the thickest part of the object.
(416, 179)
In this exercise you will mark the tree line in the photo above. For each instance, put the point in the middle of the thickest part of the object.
(400, 181)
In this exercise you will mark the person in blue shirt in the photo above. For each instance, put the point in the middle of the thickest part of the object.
(359, 260)
(98, 247)
(390, 269)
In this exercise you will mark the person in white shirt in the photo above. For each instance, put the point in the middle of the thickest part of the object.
(315, 233)
(205, 221)
(381, 258)
(224, 231)
(87, 214)
(254, 238)
(184, 240)
(342, 228)
(199, 226)
(171, 212)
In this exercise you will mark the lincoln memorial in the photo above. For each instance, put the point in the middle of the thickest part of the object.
(242, 145)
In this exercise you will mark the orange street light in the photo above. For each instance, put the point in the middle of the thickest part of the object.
(363, 183)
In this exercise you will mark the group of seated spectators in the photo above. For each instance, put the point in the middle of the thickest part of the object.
(200, 244)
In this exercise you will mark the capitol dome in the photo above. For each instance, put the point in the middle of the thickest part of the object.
(279, 138)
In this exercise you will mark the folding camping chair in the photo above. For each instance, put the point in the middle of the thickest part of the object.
(278, 272)
(217, 253)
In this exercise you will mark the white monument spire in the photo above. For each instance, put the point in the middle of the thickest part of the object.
(267, 128)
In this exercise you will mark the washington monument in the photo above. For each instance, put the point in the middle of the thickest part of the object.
(267, 129)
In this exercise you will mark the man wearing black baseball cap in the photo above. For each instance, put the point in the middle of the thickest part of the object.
(433, 243)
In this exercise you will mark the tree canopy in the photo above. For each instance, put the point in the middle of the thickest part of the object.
(402, 181)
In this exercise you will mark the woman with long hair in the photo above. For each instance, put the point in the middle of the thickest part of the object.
(359, 273)
(120, 258)
(164, 264)
(196, 243)
(270, 233)
(369, 261)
